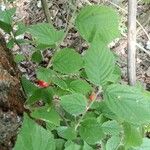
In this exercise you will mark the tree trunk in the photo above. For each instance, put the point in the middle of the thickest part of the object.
(11, 98)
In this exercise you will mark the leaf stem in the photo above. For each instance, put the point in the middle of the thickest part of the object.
(46, 11)
(88, 107)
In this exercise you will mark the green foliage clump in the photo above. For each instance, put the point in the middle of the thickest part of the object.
(84, 104)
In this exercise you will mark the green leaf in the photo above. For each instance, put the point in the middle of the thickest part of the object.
(67, 61)
(72, 146)
(145, 145)
(91, 131)
(19, 58)
(132, 135)
(46, 114)
(34, 137)
(10, 43)
(6, 27)
(80, 86)
(6, 19)
(111, 127)
(74, 104)
(113, 143)
(60, 144)
(115, 77)
(146, 1)
(44, 94)
(37, 57)
(86, 147)
(23, 41)
(122, 147)
(97, 23)
(128, 103)
(10, 1)
(28, 86)
(45, 34)
(50, 126)
(99, 63)
(21, 28)
(51, 76)
(66, 132)
(102, 108)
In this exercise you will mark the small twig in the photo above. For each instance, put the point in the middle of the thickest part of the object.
(131, 41)
(142, 48)
(117, 6)
(46, 11)
(64, 119)
(65, 34)
(12, 34)
(88, 107)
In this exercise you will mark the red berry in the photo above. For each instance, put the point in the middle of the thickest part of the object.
(42, 84)
(92, 97)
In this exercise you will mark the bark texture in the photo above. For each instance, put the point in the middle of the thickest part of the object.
(132, 9)
(11, 98)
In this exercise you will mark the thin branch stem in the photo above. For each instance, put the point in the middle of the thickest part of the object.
(117, 6)
(131, 41)
(12, 34)
(88, 107)
(46, 11)
(66, 32)
(138, 45)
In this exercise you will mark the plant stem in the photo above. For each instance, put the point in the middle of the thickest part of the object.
(88, 107)
(131, 41)
(65, 34)
(12, 34)
(46, 11)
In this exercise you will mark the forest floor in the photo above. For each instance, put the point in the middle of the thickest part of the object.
(31, 12)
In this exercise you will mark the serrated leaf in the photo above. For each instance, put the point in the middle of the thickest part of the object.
(128, 103)
(19, 57)
(67, 61)
(72, 146)
(121, 147)
(111, 127)
(28, 86)
(45, 94)
(60, 144)
(6, 19)
(46, 114)
(132, 135)
(145, 145)
(45, 34)
(74, 104)
(34, 137)
(99, 63)
(97, 23)
(10, 43)
(66, 132)
(91, 131)
(115, 77)
(37, 57)
(21, 28)
(113, 143)
(51, 76)
(80, 86)
(86, 147)
(102, 108)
